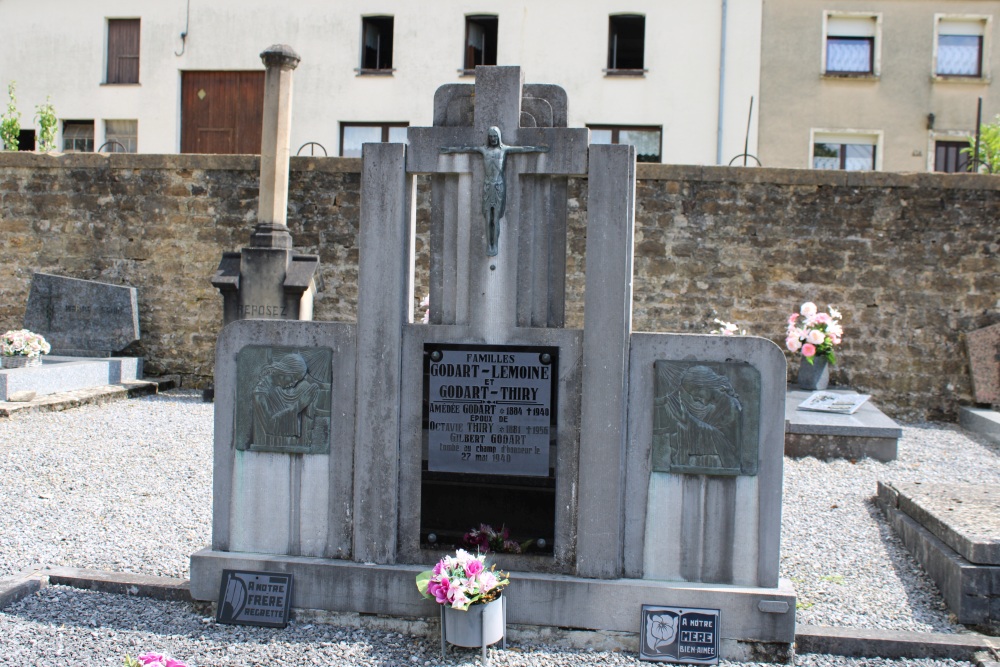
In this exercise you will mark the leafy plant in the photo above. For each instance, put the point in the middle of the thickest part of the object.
(10, 122)
(45, 116)
(989, 147)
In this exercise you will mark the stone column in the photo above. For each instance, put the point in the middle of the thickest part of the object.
(272, 210)
(267, 280)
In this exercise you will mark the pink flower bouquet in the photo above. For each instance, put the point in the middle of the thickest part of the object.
(462, 580)
(814, 334)
(152, 660)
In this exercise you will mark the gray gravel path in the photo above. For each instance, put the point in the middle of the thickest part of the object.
(127, 487)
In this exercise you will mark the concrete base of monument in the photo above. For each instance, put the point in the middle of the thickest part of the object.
(758, 624)
(825, 435)
(59, 374)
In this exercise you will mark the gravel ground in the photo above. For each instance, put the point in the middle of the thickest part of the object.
(127, 487)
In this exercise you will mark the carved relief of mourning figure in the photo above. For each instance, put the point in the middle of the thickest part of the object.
(286, 405)
(697, 418)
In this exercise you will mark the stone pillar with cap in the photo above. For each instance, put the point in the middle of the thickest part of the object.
(267, 279)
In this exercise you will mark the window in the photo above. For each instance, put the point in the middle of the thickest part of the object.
(26, 140)
(851, 47)
(123, 51)
(480, 41)
(121, 136)
(626, 43)
(352, 135)
(949, 158)
(78, 136)
(849, 151)
(959, 46)
(647, 140)
(376, 44)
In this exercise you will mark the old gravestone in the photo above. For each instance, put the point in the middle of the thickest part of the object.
(984, 362)
(82, 318)
(649, 463)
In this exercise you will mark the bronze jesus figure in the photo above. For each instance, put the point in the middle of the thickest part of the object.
(494, 182)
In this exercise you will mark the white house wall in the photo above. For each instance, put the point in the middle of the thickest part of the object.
(59, 50)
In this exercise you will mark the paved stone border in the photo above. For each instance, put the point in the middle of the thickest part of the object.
(849, 642)
(89, 396)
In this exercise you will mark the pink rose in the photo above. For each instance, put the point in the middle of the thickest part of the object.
(816, 337)
(473, 567)
(808, 350)
(821, 318)
(793, 344)
(792, 318)
(808, 309)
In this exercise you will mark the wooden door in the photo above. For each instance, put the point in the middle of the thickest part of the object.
(221, 112)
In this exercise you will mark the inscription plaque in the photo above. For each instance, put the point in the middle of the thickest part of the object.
(706, 417)
(675, 634)
(490, 409)
(254, 598)
(283, 399)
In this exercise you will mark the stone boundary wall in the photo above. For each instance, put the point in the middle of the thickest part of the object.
(910, 259)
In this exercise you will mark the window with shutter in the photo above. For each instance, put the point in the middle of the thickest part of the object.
(123, 51)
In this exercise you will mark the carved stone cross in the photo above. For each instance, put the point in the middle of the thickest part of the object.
(517, 189)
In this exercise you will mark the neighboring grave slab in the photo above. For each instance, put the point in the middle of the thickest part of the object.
(827, 435)
(82, 317)
(966, 517)
(984, 362)
(941, 525)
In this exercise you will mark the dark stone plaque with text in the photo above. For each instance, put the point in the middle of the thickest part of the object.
(490, 409)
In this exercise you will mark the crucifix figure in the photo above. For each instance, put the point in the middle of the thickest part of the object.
(494, 182)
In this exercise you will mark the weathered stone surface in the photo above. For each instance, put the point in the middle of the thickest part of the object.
(21, 396)
(984, 362)
(82, 317)
(966, 517)
(911, 259)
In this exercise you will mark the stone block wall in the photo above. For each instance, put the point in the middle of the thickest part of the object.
(910, 259)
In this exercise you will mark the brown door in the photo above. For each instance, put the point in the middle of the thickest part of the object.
(221, 112)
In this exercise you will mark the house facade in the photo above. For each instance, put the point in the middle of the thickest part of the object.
(861, 85)
(675, 78)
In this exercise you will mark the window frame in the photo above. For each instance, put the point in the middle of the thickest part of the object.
(113, 74)
(132, 140)
(612, 68)
(73, 122)
(377, 70)
(847, 137)
(616, 135)
(985, 47)
(469, 66)
(876, 41)
(386, 125)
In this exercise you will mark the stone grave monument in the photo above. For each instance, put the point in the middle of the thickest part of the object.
(88, 324)
(268, 279)
(631, 468)
(82, 318)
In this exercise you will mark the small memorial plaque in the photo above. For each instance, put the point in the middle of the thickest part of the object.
(676, 634)
(254, 598)
(490, 409)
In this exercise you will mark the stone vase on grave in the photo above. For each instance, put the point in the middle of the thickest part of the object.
(19, 361)
(814, 376)
(479, 626)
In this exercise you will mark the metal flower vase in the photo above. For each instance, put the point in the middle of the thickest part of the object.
(20, 361)
(481, 625)
(814, 376)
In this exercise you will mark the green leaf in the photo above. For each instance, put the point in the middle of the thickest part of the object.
(422, 579)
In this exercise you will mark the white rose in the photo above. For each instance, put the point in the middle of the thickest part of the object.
(808, 309)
